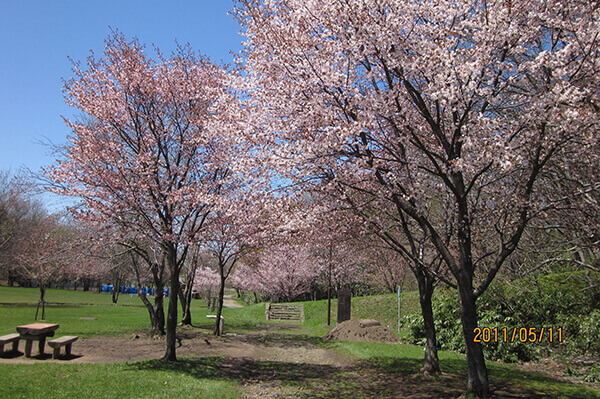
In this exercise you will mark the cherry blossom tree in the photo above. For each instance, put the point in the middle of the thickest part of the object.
(46, 252)
(386, 269)
(207, 281)
(450, 111)
(142, 158)
(235, 228)
(283, 272)
(17, 209)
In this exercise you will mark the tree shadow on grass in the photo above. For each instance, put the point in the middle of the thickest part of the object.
(378, 378)
(505, 381)
(363, 380)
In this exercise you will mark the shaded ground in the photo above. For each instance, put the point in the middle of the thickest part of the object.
(267, 364)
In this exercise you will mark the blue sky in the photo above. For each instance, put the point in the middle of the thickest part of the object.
(36, 37)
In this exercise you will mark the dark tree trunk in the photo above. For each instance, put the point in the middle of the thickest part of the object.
(185, 297)
(157, 313)
(115, 293)
(159, 309)
(170, 354)
(41, 302)
(426, 288)
(329, 290)
(477, 372)
(86, 284)
(217, 330)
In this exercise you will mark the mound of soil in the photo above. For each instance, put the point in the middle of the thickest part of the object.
(362, 330)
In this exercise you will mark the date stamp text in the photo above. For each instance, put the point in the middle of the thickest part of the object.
(515, 334)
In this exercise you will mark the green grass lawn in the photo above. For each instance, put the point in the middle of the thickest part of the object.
(202, 377)
(32, 295)
(74, 309)
(102, 381)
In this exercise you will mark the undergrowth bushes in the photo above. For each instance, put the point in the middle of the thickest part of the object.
(569, 301)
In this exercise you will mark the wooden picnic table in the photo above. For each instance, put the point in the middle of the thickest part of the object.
(36, 332)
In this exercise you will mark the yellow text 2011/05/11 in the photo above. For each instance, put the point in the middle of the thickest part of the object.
(520, 334)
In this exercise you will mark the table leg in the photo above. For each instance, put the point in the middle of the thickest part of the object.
(41, 345)
(28, 348)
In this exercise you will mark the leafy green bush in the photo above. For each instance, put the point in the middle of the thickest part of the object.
(594, 374)
(568, 301)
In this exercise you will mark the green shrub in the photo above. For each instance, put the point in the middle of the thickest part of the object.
(568, 301)
(594, 374)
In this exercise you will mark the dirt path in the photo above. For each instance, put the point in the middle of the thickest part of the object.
(229, 302)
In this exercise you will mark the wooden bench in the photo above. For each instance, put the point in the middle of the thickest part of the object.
(280, 311)
(6, 339)
(65, 341)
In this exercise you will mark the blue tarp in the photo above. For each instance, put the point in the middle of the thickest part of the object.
(132, 290)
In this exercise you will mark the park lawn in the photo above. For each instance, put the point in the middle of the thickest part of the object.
(196, 376)
(121, 380)
(84, 314)
(88, 314)
(80, 320)
(9, 295)
(129, 315)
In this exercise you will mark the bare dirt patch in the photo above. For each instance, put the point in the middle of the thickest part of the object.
(259, 346)
(362, 330)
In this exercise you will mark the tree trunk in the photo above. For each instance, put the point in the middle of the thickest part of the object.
(172, 312)
(86, 284)
(115, 293)
(185, 297)
(41, 302)
(426, 288)
(329, 291)
(157, 313)
(159, 309)
(217, 330)
(477, 372)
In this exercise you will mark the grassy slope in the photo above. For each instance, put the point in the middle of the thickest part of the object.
(383, 308)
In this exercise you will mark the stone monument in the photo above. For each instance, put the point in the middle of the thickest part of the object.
(343, 313)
